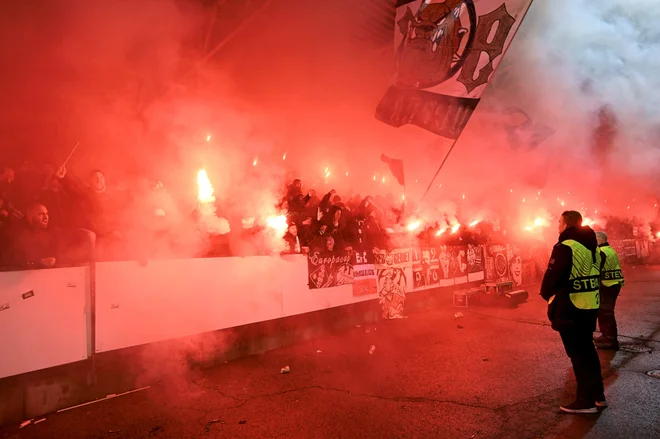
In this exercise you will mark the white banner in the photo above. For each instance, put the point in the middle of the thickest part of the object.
(446, 52)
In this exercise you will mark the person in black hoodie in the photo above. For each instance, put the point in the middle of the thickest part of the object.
(571, 288)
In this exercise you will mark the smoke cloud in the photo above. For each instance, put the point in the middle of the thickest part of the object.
(570, 61)
(289, 97)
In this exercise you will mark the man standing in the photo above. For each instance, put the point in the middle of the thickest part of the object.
(571, 288)
(610, 287)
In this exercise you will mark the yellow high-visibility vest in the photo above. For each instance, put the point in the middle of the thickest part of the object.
(585, 276)
(611, 274)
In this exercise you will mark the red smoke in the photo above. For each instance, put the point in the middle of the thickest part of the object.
(290, 95)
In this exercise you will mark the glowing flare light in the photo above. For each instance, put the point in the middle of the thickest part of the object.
(538, 222)
(204, 188)
(278, 224)
(212, 223)
(588, 222)
(414, 226)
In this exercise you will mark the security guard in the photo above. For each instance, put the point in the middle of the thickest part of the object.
(611, 281)
(571, 288)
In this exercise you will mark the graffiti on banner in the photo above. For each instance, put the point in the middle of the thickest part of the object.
(392, 280)
(515, 265)
(364, 273)
(459, 264)
(475, 260)
(625, 248)
(446, 271)
(328, 270)
(497, 264)
(425, 266)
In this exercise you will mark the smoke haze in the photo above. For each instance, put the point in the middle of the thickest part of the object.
(293, 95)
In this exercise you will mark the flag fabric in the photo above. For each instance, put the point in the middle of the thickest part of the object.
(524, 134)
(439, 76)
(396, 168)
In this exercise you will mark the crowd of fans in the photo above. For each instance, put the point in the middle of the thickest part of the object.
(49, 219)
(330, 224)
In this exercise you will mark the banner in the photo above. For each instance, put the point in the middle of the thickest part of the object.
(459, 266)
(328, 270)
(515, 265)
(446, 53)
(626, 249)
(364, 273)
(445, 273)
(497, 264)
(475, 258)
(392, 280)
(425, 267)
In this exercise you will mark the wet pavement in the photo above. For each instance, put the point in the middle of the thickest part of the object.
(495, 373)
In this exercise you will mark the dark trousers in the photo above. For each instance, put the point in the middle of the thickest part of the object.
(580, 348)
(606, 320)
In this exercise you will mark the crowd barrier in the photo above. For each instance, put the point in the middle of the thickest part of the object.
(45, 319)
(46, 315)
(138, 304)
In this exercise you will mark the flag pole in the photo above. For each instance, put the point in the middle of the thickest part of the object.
(439, 169)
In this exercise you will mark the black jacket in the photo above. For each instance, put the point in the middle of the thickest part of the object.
(562, 313)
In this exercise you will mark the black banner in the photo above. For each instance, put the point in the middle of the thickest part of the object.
(475, 258)
(440, 114)
(497, 266)
(328, 270)
(460, 264)
(425, 267)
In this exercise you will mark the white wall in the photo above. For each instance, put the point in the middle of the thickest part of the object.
(176, 298)
(138, 304)
(47, 329)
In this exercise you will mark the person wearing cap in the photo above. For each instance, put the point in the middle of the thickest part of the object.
(571, 287)
(611, 281)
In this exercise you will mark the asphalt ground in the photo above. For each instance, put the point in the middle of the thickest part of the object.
(494, 373)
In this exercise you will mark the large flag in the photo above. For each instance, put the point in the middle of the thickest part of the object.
(447, 51)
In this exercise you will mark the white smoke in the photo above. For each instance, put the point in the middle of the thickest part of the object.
(614, 45)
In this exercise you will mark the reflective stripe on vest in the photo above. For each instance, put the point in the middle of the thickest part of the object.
(585, 276)
(612, 274)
